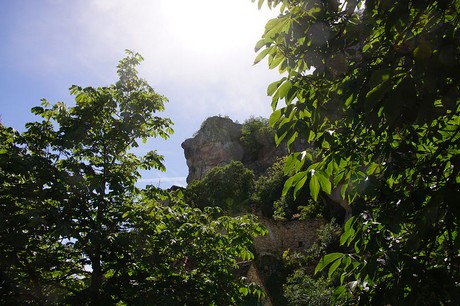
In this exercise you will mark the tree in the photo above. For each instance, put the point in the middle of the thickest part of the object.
(257, 135)
(269, 189)
(228, 187)
(30, 244)
(272, 202)
(75, 229)
(374, 85)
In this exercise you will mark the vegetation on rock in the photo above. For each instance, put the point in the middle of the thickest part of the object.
(256, 136)
(228, 187)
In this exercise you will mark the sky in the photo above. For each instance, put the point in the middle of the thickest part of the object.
(198, 53)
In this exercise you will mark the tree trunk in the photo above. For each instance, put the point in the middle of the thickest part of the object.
(96, 275)
(336, 197)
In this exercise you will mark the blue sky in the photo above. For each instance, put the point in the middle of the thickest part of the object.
(198, 54)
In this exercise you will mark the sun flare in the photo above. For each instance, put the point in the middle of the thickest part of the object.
(213, 26)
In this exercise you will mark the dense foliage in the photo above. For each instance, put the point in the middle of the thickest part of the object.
(228, 187)
(301, 287)
(257, 135)
(374, 85)
(270, 201)
(75, 229)
(236, 189)
(269, 190)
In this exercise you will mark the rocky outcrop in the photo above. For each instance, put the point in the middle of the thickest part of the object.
(218, 142)
(215, 144)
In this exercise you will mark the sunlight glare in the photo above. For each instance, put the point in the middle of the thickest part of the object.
(213, 26)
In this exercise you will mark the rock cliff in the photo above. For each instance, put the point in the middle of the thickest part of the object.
(215, 144)
(218, 142)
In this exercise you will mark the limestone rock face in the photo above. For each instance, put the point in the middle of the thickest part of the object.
(218, 142)
(215, 144)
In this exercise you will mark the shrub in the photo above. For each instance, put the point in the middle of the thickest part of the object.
(257, 134)
(228, 187)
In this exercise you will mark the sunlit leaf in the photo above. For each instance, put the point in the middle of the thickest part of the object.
(314, 187)
(328, 259)
(324, 182)
(262, 55)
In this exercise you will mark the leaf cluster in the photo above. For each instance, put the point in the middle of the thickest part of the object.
(257, 135)
(374, 87)
(229, 187)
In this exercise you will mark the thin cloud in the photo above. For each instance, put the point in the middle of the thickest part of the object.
(198, 53)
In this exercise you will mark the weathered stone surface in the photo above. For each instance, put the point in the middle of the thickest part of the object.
(215, 144)
(218, 142)
(297, 235)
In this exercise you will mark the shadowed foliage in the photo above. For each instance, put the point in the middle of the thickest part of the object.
(374, 86)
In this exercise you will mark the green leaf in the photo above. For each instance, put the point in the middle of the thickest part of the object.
(262, 55)
(284, 89)
(299, 185)
(260, 3)
(307, 156)
(329, 169)
(333, 268)
(292, 93)
(314, 187)
(343, 191)
(244, 291)
(349, 100)
(345, 237)
(380, 84)
(277, 26)
(259, 45)
(271, 89)
(245, 254)
(328, 259)
(291, 139)
(274, 117)
(324, 182)
(372, 168)
(293, 181)
(311, 136)
(289, 164)
(340, 291)
(37, 110)
(83, 97)
(275, 61)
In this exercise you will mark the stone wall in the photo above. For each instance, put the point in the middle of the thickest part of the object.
(296, 235)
